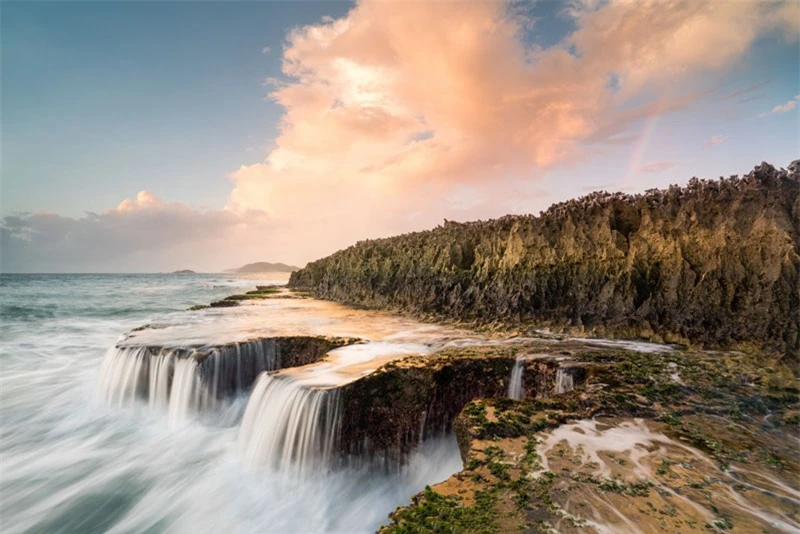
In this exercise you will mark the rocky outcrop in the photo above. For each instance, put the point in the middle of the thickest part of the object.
(686, 441)
(713, 263)
(389, 412)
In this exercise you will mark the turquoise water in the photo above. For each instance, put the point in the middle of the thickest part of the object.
(68, 463)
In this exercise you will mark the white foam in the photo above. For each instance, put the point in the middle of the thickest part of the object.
(636, 346)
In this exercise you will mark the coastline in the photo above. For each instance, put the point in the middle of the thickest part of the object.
(388, 403)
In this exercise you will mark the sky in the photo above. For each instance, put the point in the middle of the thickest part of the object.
(155, 136)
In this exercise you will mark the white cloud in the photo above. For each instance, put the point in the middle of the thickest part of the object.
(714, 141)
(400, 107)
(140, 234)
(788, 106)
(400, 114)
(783, 108)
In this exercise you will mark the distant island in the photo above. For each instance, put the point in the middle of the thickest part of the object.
(264, 267)
(184, 271)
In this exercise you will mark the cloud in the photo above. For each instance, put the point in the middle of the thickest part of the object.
(399, 114)
(140, 234)
(266, 50)
(788, 106)
(398, 108)
(714, 141)
(656, 166)
(746, 92)
(783, 108)
(144, 200)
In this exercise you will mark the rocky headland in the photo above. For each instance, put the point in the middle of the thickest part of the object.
(699, 438)
(712, 264)
(692, 427)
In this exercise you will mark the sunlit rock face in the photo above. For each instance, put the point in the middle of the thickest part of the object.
(713, 262)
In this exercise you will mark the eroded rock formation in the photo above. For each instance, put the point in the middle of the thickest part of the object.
(713, 263)
(653, 442)
(392, 410)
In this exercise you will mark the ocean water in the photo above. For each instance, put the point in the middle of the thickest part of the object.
(68, 463)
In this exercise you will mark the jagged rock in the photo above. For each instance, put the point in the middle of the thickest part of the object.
(392, 410)
(713, 263)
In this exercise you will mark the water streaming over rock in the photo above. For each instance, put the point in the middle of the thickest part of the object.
(72, 465)
(564, 381)
(515, 389)
(630, 451)
(183, 380)
(290, 427)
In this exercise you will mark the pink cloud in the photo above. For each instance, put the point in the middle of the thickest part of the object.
(788, 106)
(714, 141)
(400, 114)
(783, 108)
(396, 107)
(144, 233)
(144, 199)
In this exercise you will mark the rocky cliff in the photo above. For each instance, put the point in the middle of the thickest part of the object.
(714, 263)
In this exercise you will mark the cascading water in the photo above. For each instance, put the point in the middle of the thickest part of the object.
(289, 427)
(161, 369)
(564, 381)
(120, 374)
(515, 389)
(182, 381)
(70, 465)
(186, 392)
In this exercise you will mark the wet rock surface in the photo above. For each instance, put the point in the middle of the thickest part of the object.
(686, 441)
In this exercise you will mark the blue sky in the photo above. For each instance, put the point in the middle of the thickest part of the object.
(104, 100)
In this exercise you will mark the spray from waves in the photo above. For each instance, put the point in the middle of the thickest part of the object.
(289, 427)
(71, 467)
(182, 381)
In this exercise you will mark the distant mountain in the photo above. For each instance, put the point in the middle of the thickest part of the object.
(184, 271)
(264, 267)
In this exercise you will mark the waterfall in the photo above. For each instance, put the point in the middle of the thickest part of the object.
(515, 389)
(120, 374)
(289, 427)
(564, 381)
(186, 391)
(161, 368)
(182, 381)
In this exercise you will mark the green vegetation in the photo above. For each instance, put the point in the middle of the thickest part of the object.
(511, 492)
(436, 513)
(261, 292)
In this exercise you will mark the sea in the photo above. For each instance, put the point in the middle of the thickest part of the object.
(70, 463)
